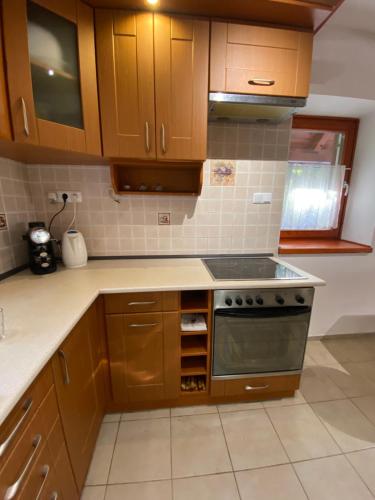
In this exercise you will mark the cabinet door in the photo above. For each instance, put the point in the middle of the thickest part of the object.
(143, 353)
(76, 393)
(181, 87)
(5, 130)
(125, 50)
(50, 53)
(257, 60)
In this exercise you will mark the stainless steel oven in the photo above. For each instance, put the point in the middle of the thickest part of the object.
(260, 331)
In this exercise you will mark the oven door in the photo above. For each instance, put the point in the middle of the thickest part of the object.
(259, 340)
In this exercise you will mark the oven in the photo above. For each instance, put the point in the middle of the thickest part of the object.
(260, 331)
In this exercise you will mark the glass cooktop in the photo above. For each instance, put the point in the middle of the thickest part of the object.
(248, 268)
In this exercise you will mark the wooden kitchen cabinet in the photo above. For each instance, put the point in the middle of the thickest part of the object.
(51, 70)
(153, 83)
(81, 412)
(144, 356)
(5, 129)
(260, 60)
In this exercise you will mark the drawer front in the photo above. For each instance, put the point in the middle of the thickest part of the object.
(261, 385)
(140, 302)
(23, 456)
(13, 427)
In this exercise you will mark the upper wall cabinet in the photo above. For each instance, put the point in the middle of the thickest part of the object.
(153, 83)
(50, 56)
(259, 60)
(5, 130)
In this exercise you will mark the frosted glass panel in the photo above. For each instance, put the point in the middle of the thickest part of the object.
(54, 67)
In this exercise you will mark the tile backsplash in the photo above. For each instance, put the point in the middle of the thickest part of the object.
(222, 220)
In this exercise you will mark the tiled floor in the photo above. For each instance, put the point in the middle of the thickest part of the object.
(319, 445)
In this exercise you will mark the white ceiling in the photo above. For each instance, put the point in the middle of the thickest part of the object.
(344, 52)
(329, 105)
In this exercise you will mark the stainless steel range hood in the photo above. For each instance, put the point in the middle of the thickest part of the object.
(245, 108)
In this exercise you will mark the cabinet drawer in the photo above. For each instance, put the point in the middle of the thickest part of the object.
(141, 302)
(24, 455)
(23, 412)
(261, 385)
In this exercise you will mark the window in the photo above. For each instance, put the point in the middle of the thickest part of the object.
(319, 169)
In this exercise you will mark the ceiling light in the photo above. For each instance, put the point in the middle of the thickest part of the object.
(152, 2)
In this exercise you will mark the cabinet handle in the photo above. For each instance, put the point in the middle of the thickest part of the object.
(45, 472)
(162, 138)
(255, 388)
(12, 491)
(26, 407)
(142, 325)
(146, 303)
(54, 496)
(66, 369)
(261, 82)
(25, 119)
(147, 137)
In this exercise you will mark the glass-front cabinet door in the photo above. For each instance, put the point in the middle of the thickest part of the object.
(52, 74)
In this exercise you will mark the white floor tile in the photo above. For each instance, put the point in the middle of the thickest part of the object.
(302, 433)
(297, 399)
(111, 417)
(193, 410)
(101, 460)
(142, 451)
(252, 440)
(367, 406)
(145, 415)
(316, 386)
(155, 490)
(230, 407)
(331, 478)
(198, 446)
(352, 379)
(214, 487)
(272, 483)
(364, 464)
(93, 493)
(348, 426)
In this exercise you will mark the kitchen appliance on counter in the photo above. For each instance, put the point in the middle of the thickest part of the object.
(42, 259)
(260, 331)
(74, 252)
(248, 268)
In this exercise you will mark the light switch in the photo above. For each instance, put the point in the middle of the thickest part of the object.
(262, 198)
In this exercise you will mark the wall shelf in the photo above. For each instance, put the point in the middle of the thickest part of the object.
(157, 178)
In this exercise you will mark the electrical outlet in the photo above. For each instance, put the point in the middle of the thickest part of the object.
(72, 195)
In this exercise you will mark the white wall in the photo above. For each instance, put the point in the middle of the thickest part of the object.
(347, 303)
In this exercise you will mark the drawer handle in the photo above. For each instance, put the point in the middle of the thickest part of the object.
(142, 325)
(45, 472)
(26, 407)
(162, 138)
(12, 491)
(54, 496)
(25, 118)
(256, 388)
(145, 303)
(261, 82)
(66, 368)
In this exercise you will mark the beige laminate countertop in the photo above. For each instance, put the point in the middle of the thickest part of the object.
(40, 311)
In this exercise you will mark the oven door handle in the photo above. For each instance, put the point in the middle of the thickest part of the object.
(264, 312)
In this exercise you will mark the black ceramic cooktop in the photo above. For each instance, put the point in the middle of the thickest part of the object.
(248, 268)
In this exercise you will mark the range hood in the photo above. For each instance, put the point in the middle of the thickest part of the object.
(245, 108)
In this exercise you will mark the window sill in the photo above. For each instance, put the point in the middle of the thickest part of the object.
(320, 246)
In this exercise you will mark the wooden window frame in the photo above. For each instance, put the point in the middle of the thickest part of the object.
(348, 126)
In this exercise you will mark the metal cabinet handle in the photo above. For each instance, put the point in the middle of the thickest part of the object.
(66, 369)
(12, 491)
(141, 325)
(45, 472)
(146, 303)
(54, 496)
(255, 388)
(26, 407)
(147, 137)
(162, 138)
(261, 82)
(25, 118)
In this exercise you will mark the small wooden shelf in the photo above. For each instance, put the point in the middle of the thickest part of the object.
(194, 365)
(157, 178)
(194, 301)
(185, 333)
(194, 345)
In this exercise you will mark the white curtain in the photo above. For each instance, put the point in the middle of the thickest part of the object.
(312, 196)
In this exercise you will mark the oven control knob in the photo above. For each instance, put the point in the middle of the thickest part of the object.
(239, 301)
(280, 300)
(300, 299)
(259, 300)
(249, 301)
(228, 301)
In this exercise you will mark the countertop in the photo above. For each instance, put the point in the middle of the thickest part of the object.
(40, 311)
